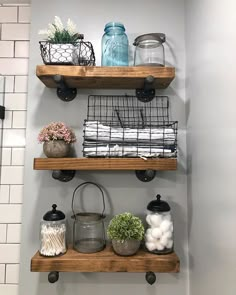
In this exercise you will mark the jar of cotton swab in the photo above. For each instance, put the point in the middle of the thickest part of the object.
(159, 234)
(53, 233)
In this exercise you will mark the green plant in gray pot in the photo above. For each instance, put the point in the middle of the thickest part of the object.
(126, 232)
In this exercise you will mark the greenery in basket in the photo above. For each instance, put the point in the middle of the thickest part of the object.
(56, 131)
(125, 226)
(58, 34)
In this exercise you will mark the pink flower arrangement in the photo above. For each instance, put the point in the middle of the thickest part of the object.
(56, 131)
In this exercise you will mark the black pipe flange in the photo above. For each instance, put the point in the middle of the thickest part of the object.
(63, 175)
(145, 175)
(150, 277)
(64, 92)
(53, 277)
(147, 93)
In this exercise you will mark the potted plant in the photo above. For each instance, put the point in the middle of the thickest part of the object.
(126, 232)
(60, 41)
(56, 138)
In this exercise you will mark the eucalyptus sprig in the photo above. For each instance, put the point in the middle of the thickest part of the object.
(125, 226)
(57, 33)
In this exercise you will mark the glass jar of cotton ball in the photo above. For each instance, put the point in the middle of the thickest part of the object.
(53, 233)
(159, 235)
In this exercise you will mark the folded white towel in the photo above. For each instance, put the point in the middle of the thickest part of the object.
(94, 130)
(130, 151)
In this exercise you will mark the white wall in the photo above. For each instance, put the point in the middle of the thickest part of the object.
(14, 52)
(211, 115)
(125, 192)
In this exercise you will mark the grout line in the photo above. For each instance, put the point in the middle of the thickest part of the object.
(18, 17)
(11, 159)
(12, 119)
(14, 49)
(14, 83)
(5, 274)
(6, 232)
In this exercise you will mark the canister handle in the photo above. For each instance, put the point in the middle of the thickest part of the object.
(82, 184)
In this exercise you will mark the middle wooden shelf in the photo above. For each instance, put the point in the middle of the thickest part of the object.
(105, 164)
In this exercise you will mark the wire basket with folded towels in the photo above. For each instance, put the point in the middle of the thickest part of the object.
(122, 126)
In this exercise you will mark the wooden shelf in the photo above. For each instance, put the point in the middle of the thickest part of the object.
(106, 261)
(105, 77)
(104, 164)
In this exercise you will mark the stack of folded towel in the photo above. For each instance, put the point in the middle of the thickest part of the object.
(101, 140)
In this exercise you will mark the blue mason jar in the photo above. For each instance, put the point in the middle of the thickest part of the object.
(115, 45)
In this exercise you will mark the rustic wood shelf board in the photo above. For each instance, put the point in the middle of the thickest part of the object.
(105, 164)
(105, 77)
(106, 261)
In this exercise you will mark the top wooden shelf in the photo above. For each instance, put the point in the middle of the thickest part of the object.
(105, 77)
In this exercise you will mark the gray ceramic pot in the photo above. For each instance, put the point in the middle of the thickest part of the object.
(126, 248)
(56, 148)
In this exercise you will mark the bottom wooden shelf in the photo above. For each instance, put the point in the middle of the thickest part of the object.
(106, 261)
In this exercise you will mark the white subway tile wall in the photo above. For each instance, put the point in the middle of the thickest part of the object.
(16, 194)
(7, 123)
(14, 54)
(12, 274)
(9, 83)
(6, 156)
(13, 233)
(3, 233)
(21, 83)
(2, 273)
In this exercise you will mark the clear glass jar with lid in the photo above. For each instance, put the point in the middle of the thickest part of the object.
(149, 50)
(159, 237)
(53, 233)
(115, 45)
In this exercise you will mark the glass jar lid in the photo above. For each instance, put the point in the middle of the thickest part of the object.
(160, 37)
(158, 205)
(54, 215)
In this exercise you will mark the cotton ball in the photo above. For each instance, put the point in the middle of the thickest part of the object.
(169, 244)
(149, 238)
(165, 225)
(167, 216)
(164, 241)
(159, 246)
(155, 220)
(149, 231)
(150, 246)
(148, 219)
(156, 233)
(167, 234)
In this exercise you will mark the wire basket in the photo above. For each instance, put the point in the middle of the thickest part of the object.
(79, 53)
(122, 126)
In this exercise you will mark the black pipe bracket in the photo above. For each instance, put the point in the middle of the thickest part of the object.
(2, 112)
(63, 91)
(63, 175)
(150, 277)
(53, 277)
(145, 175)
(147, 93)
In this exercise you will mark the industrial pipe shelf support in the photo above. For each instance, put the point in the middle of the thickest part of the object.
(145, 175)
(63, 91)
(147, 93)
(2, 112)
(53, 277)
(63, 175)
